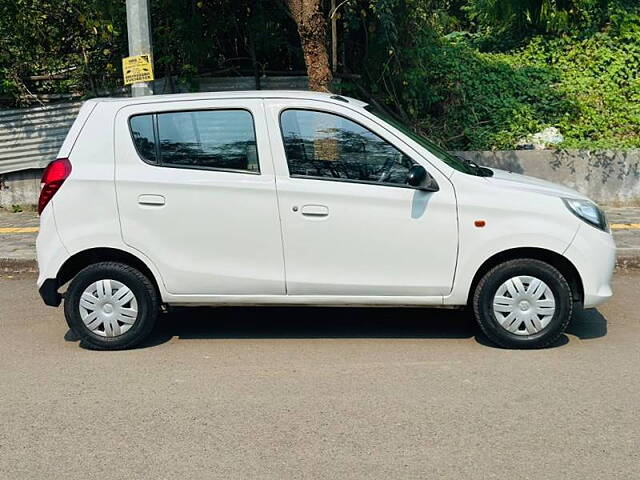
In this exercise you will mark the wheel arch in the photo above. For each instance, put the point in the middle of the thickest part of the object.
(562, 263)
(72, 266)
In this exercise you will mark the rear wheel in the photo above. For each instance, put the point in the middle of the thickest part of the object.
(111, 306)
(523, 303)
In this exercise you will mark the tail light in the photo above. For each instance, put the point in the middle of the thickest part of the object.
(52, 179)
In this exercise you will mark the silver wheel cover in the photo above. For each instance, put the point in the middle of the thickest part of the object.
(524, 305)
(108, 308)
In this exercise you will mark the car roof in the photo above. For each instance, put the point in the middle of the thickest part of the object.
(292, 94)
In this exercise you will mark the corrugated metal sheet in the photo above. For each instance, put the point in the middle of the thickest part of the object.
(31, 137)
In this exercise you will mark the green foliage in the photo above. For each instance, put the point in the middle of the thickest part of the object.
(478, 101)
(74, 41)
(471, 74)
(80, 43)
(471, 100)
(225, 37)
(518, 16)
(465, 91)
(601, 76)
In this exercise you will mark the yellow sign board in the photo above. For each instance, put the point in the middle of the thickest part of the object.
(137, 69)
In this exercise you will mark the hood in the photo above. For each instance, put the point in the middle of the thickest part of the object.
(532, 184)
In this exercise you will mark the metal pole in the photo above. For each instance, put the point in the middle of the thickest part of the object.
(139, 34)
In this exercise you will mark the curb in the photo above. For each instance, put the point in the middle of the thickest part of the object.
(625, 261)
(18, 265)
(628, 260)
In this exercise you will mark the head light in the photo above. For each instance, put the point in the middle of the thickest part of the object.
(587, 211)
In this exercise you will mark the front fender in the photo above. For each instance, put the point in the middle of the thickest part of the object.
(473, 256)
(493, 219)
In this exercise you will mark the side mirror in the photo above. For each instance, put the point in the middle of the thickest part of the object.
(419, 178)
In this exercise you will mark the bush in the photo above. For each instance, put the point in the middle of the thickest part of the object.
(601, 77)
(472, 100)
(471, 90)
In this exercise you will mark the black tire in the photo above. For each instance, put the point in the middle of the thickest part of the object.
(494, 278)
(145, 295)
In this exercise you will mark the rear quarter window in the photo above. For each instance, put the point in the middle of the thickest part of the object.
(143, 137)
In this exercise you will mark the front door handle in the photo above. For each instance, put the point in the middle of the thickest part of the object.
(315, 211)
(151, 200)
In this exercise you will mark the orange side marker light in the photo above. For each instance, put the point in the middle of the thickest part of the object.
(479, 223)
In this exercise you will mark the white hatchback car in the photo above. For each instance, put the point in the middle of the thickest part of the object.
(299, 198)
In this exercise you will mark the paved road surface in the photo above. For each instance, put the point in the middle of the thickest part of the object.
(318, 393)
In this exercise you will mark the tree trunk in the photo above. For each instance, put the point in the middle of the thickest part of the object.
(312, 28)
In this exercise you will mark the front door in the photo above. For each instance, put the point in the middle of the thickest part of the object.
(351, 225)
(196, 194)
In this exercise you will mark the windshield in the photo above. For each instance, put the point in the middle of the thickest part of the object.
(454, 162)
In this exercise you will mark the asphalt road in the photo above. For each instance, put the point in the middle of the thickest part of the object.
(318, 393)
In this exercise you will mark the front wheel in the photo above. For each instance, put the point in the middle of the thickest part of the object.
(111, 306)
(523, 303)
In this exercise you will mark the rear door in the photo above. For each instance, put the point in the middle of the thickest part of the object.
(196, 194)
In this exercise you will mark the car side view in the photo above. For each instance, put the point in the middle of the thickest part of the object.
(301, 198)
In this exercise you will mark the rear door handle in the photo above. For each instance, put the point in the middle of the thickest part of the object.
(151, 199)
(315, 211)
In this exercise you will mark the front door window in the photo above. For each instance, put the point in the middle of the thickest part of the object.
(326, 146)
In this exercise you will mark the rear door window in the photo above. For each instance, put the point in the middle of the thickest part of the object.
(203, 139)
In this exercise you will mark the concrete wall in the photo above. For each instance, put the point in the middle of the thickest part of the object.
(610, 177)
(20, 188)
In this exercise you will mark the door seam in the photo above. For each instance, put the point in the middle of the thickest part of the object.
(275, 186)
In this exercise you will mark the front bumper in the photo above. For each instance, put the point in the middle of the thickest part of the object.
(593, 253)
